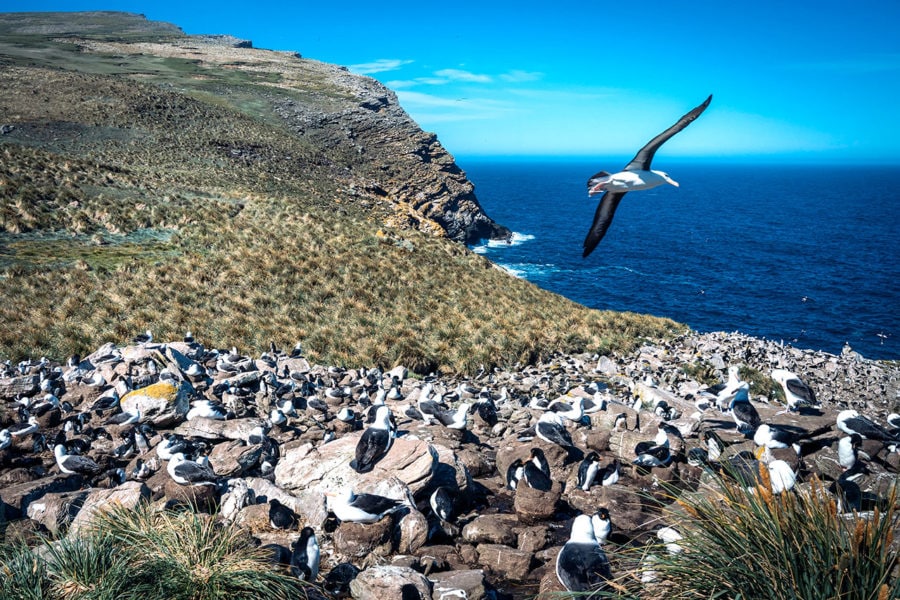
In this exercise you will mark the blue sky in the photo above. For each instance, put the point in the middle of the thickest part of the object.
(805, 81)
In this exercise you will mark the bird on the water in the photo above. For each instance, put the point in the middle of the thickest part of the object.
(581, 565)
(636, 175)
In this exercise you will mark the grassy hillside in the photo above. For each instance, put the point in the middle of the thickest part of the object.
(154, 180)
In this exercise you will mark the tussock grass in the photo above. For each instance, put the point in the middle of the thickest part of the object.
(740, 544)
(146, 553)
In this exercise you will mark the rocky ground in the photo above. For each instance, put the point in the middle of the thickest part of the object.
(502, 543)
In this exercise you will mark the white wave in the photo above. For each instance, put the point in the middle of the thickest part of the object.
(526, 270)
(514, 240)
(518, 273)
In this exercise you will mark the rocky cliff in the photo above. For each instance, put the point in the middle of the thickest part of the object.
(355, 124)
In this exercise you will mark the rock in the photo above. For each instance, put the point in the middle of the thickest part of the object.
(16, 498)
(204, 496)
(162, 403)
(308, 506)
(492, 529)
(56, 510)
(408, 466)
(532, 539)
(78, 394)
(508, 562)
(476, 463)
(533, 506)
(24, 531)
(215, 429)
(364, 540)
(468, 584)
(413, 528)
(550, 587)
(593, 439)
(126, 495)
(233, 458)
(254, 518)
(606, 365)
(12, 387)
(390, 582)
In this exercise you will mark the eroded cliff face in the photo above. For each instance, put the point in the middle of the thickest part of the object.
(387, 155)
(354, 137)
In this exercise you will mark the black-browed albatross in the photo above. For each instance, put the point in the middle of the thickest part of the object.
(635, 176)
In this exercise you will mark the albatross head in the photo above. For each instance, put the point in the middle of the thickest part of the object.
(666, 178)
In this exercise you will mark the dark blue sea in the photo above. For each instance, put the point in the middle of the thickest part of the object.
(807, 255)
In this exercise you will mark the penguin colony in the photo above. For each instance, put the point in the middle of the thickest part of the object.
(584, 435)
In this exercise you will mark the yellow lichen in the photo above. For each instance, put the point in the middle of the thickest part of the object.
(161, 390)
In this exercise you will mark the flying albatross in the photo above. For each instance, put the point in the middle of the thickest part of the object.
(635, 176)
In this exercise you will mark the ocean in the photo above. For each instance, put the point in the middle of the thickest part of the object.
(807, 255)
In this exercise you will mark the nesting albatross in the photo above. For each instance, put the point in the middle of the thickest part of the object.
(636, 175)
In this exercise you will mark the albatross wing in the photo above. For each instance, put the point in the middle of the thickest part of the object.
(602, 218)
(641, 161)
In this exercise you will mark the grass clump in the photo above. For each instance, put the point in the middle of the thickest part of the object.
(146, 553)
(740, 544)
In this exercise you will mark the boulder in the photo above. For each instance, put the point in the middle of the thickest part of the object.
(254, 518)
(533, 538)
(127, 495)
(413, 528)
(550, 587)
(162, 403)
(505, 561)
(492, 529)
(17, 497)
(215, 429)
(355, 541)
(232, 458)
(204, 496)
(533, 506)
(12, 387)
(309, 505)
(308, 471)
(468, 584)
(390, 582)
(56, 510)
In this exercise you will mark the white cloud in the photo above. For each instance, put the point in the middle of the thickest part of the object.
(460, 75)
(379, 66)
(519, 76)
(429, 109)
